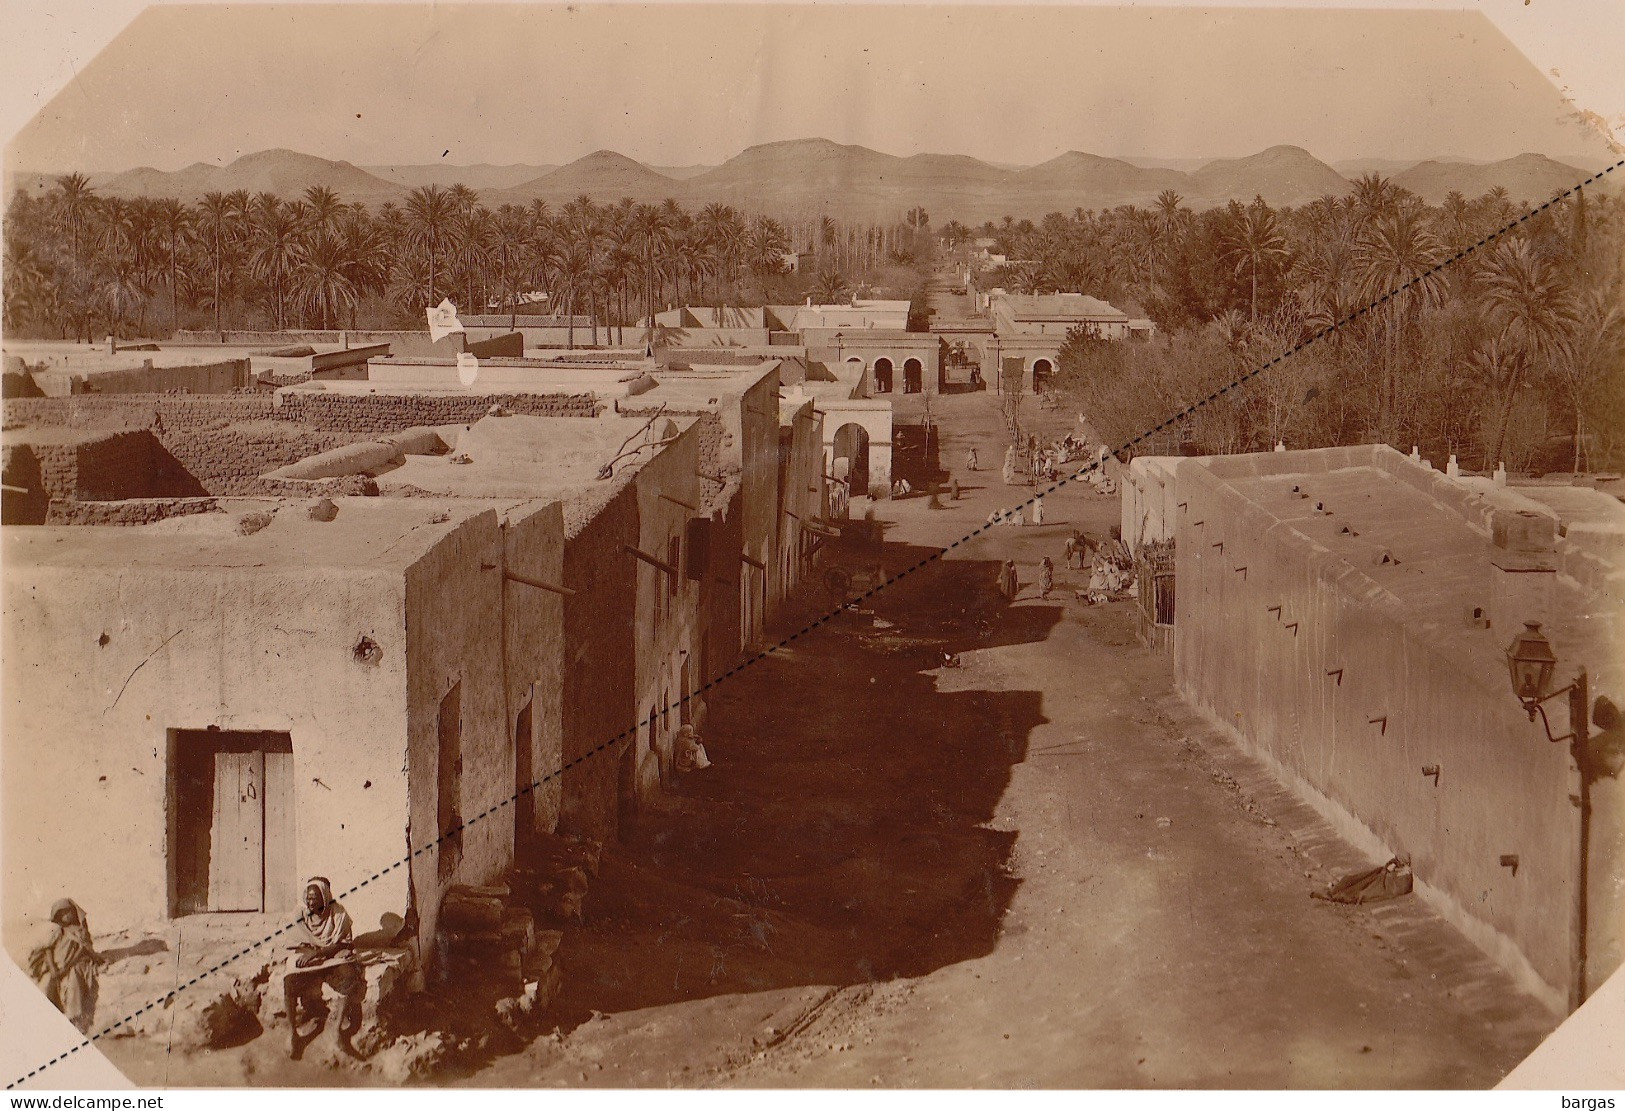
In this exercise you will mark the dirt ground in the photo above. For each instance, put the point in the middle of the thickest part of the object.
(1031, 870)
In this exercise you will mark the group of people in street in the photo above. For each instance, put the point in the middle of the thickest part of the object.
(1108, 562)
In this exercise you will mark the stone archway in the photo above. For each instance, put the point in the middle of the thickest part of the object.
(1043, 372)
(852, 445)
(883, 375)
(913, 376)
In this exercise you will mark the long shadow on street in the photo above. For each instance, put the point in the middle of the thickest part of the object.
(840, 836)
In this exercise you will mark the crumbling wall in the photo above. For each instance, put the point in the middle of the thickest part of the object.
(228, 459)
(25, 500)
(137, 410)
(372, 414)
(135, 511)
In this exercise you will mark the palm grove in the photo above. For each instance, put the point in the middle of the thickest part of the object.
(80, 265)
(1511, 353)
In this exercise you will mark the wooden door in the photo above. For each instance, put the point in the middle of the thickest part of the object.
(237, 851)
(282, 890)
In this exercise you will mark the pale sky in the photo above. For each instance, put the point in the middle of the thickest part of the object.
(676, 84)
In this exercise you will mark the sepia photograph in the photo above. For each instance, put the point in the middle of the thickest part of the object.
(658, 546)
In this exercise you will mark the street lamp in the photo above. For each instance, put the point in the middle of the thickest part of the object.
(1531, 661)
(1530, 665)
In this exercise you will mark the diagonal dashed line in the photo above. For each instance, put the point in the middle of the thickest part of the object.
(749, 661)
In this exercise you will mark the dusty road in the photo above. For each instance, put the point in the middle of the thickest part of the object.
(1031, 870)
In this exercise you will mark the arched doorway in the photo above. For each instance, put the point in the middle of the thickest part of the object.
(852, 445)
(913, 376)
(1043, 371)
(883, 375)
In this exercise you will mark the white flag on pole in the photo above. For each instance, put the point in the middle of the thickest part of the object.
(443, 321)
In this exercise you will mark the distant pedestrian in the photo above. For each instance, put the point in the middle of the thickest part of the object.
(1038, 510)
(970, 460)
(65, 967)
(690, 752)
(953, 486)
(1046, 577)
(1009, 582)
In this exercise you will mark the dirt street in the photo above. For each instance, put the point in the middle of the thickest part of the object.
(1030, 870)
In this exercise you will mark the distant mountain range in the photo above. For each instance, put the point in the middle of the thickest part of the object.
(816, 176)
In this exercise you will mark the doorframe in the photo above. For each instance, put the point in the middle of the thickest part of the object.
(173, 818)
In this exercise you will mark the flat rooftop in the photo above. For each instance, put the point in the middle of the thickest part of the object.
(1059, 306)
(1440, 564)
(525, 457)
(382, 534)
(703, 387)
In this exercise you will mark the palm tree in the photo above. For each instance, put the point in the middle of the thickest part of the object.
(77, 200)
(278, 250)
(119, 253)
(1596, 343)
(1375, 196)
(473, 231)
(509, 246)
(1529, 305)
(322, 277)
(173, 223)
(1398, 262)
(429, 213)
(654, 235)
(1252, 240)
(367, 257)
(572, 267)
(325, 207)
(831, 287)
(217, 221)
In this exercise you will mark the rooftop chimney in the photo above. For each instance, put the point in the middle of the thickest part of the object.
(1523, 568)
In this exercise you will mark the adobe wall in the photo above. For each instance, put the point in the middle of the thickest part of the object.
(533, 643)
(138, 410)
(229, 460)
(372, 414)
(102, 663)
(1148, 498)
(802, 493)
(1502, 790)
(454, 634)
(666, 625)
(761, 522)
(599, 700)
(720, 602)
(197, 378)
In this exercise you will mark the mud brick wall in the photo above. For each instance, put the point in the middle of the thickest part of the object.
(137, 410)
(375, 414)
(229, 459)
(118, 465)
(142, 511)
(599, 696)
(714, 437)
